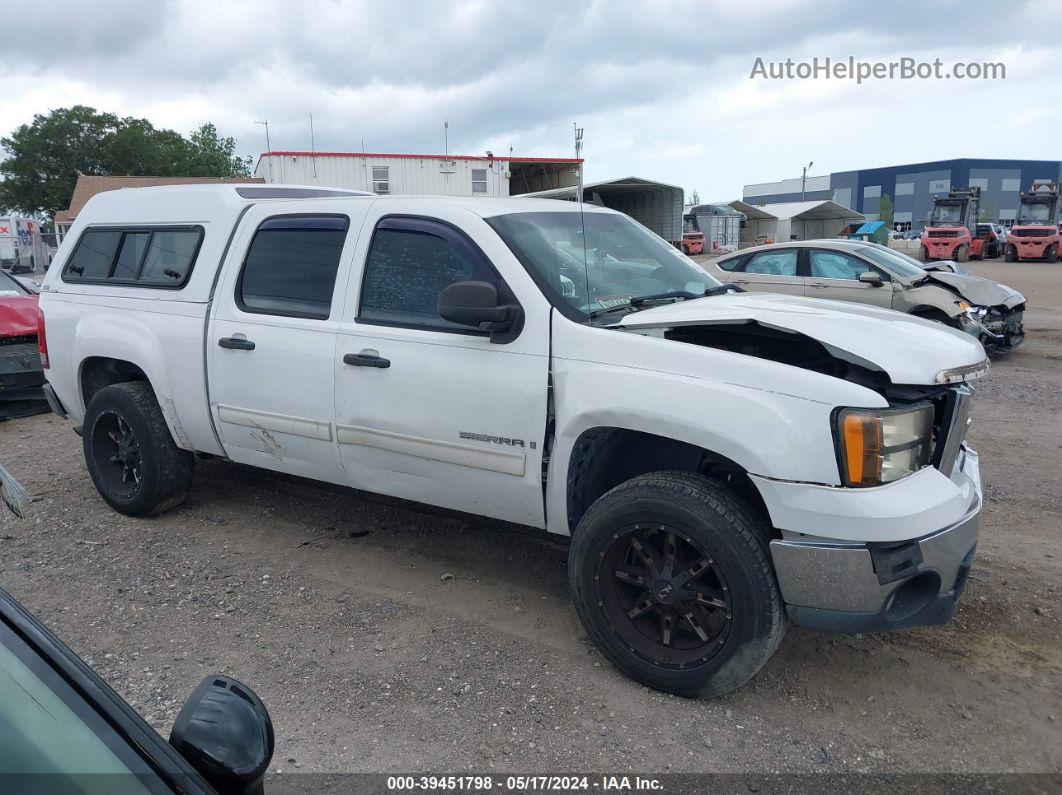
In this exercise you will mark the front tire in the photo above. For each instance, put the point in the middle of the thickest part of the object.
(672, 579)
(130, 454)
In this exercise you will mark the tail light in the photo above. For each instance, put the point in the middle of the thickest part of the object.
(42, 339)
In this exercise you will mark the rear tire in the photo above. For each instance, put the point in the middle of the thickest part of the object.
(130, 454)
(672, 578)
(1011, 254)
(1052, 254)
(925, 254)
(962, 254)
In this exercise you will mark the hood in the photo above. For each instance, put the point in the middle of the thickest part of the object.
(983, 292)
(18, 316)
(908, 349)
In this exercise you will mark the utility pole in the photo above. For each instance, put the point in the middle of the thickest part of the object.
(313, 149)
(578, 150)
(804, 179)
(268, 149)
(446, 137)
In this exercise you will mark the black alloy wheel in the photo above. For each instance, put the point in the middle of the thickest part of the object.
(117, 453)
(664, 596)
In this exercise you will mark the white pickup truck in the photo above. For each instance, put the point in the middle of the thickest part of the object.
(724, 462)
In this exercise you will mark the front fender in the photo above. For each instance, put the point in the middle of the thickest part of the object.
(767, 433)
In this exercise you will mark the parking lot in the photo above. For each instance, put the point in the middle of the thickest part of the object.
(385, 637)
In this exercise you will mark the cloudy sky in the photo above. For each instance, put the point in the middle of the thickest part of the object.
(661, 88)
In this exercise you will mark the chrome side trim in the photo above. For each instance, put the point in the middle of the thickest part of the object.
(280, 423)
(506, 462)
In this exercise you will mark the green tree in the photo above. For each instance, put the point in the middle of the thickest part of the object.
(885, 210)
(44, 158)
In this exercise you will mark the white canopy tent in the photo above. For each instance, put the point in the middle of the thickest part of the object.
(795, 220)
(654, 205)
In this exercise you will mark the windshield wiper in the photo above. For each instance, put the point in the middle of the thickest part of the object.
(685, 295)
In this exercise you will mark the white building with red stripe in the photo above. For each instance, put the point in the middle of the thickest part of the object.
(429, 175)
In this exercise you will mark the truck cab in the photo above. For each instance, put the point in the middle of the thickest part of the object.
(723, 462)
(1035, 233)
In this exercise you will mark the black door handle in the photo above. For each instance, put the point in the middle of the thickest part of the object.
(236, 343)
(366, 360)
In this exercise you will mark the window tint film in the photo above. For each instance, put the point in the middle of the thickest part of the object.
(774, 263)
(169, 256)
(833, 265)
(410, 262)
(94, 254)
(291, 267)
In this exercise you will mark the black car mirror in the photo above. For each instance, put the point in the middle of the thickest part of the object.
(871, 278)
(225, 733)
(476, 304)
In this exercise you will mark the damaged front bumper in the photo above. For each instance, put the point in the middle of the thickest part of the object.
(877, 587)
(998, 327)
(21, 378)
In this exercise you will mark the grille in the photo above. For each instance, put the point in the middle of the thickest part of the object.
(1032, 232)
(951, 417)
(943, 233)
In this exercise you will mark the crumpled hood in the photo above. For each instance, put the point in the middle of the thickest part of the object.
(983, 292)
(910, 350)
(18, 315)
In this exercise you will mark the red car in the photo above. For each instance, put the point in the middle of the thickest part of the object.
(21, 375)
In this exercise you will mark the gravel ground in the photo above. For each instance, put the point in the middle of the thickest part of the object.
(384, 637)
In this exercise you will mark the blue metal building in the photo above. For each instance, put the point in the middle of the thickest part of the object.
(912, 187)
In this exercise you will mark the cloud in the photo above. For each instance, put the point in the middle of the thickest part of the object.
(661, 88)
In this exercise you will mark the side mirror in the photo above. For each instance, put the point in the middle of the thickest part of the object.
(871, 278)
(225, 733)
(476, 304)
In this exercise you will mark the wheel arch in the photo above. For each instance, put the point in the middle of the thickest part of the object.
(603, 457)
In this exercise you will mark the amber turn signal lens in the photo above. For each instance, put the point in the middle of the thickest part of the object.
(862, 449)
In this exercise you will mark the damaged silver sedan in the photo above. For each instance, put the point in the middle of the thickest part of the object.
(868, 273)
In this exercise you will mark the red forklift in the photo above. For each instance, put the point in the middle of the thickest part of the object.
(1035, 233)
(952, 229)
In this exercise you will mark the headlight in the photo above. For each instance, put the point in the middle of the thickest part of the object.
(876, 446)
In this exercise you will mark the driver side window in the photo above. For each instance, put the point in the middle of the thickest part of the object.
(834, 265)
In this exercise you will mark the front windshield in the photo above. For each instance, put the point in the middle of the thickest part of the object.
(1038, 213)
(595, 261)
(895, 262)
(944, 214)
(9, 286)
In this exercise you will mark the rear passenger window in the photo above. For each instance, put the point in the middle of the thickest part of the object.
(136, 257)
(411, 261)
(291, 266)
(773, 263)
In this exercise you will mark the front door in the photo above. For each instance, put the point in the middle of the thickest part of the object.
(272, 341)
(426, 409)
(834, 275)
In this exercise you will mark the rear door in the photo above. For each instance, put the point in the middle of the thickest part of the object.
(773, 271)
(425, 409)
(835, 275)
(272, 337)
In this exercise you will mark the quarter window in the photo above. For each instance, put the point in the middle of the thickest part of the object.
(834, 265)
(479, 180)
(381, 181)
(291, 266)
(146, 257)
(410, 262)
